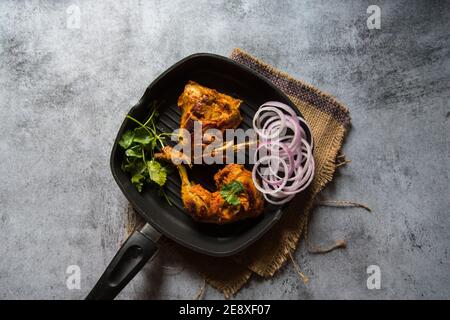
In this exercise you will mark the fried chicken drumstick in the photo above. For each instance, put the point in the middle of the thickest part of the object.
(211, 207)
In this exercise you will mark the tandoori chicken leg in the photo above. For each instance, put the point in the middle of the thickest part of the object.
(211, 207)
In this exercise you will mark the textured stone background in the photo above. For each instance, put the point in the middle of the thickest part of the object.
(64, 93)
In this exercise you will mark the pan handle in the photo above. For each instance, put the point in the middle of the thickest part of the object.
(131, 257)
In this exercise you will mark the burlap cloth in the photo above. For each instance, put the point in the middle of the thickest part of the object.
(329, 121)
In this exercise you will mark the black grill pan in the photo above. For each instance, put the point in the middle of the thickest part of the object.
(226, 76)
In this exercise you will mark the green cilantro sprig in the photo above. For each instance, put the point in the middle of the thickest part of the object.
(140, 144)
(230, 192)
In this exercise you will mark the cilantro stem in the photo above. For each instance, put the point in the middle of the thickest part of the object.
(150, 117)
(139, 123)
(167, 134)
(163, 192)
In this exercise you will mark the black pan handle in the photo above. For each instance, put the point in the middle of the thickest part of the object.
(128, 261)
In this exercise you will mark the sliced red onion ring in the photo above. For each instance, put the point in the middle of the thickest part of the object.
(256, 182)
(257, 119)
(288, 163)
(271, 149)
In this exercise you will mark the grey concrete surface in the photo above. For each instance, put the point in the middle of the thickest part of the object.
(65, 91)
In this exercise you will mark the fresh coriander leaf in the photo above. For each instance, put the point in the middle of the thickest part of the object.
(139, 145)
(234, 187)
(127, 166)
(230, 191)
(127, 139)
(138, 181)
(139, 167)
(157, 173)
(142, 136)
(134, 152)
